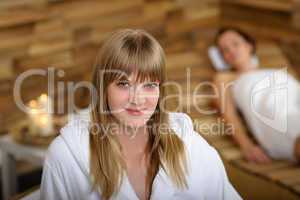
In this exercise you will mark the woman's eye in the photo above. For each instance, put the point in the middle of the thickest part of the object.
(123, 84)
(151, 85)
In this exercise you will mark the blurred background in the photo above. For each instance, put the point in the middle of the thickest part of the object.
(65, 35)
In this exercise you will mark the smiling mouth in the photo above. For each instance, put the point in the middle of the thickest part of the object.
(135, 112)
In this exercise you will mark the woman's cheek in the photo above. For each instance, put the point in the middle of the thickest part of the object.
(154, 100)
(123, 98)
(119, 99)
(228, 58)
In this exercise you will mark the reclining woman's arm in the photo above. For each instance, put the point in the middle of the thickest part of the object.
(228, 110)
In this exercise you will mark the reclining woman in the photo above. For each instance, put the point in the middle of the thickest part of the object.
(268, 99)
(131, 147)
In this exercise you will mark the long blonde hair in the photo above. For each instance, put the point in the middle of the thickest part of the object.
(130, 51)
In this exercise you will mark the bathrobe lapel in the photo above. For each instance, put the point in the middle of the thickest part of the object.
(162, 188)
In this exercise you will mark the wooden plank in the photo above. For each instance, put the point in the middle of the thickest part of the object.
(51, 28)
(192, 21)
(62, 59)
(231, 153)
(283, 174)
(275, 5)
(262, 17)
(200, 72)
(222, 144)
(195, 86)
(9, 4)
(152, 19)
(92, 9)
(6, 103)
(153, 23)
(7, 120)
(32, 193)
(176, 44)
(190, 100)
(292, 51)
(6, 68)
(6, 86)
(21, 16)
(296, 15)
(297, 189)
(268, 49)
(265, 31)
(213, 129)
(107, 23)
(50, 46)
(254, 187)
(207, 35)
(15, 38)
(291, 181)
(196, 3)
(274, 62)
(262, 168)
(272, 56)
(81, 13)
(183, 60)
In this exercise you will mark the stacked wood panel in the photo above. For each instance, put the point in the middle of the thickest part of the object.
(66, 35)
(275, 19)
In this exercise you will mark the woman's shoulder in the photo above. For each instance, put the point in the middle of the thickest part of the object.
(201, 154)
(181, 123)
(183, 126)
(176, 118)
(71, 144)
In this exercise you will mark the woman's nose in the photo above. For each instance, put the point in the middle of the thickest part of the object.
(136, 96)
(230, 50)
(230, 53)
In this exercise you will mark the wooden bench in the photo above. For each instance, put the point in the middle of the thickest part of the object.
(30, 194)
(278, 180)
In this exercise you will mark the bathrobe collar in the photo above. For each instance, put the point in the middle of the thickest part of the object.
(162, 188)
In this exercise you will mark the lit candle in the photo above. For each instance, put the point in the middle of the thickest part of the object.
(45, 103)
(45, 124)
(41, 116)
(33, 117)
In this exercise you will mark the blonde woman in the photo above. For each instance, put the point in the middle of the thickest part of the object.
(131, 148)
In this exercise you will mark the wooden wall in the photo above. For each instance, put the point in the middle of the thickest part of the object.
(272, 19)
(66, 34)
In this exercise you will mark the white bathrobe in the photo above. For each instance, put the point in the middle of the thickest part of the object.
(270, 103)
(66, 168)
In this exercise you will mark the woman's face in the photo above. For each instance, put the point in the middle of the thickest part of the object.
(235, 49)
(131, 102)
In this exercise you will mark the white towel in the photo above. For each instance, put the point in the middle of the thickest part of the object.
(269, 102)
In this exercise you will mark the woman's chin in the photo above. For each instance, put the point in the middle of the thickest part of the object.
(134, 123)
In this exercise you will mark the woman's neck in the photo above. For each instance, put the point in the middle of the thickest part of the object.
(133, 140)
(246, 67)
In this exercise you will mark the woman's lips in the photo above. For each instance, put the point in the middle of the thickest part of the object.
(134, 112)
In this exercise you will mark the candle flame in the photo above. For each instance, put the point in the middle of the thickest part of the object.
(43, 120)
(43, 97)
(33, 104)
